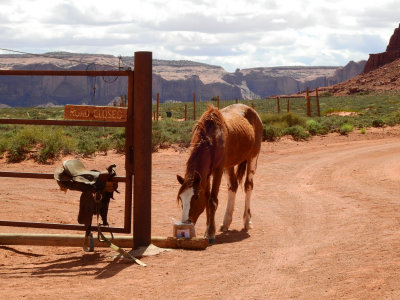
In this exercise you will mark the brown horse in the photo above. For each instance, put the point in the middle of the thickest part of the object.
(221, 140)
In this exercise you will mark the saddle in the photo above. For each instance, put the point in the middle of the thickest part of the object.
(97, 189)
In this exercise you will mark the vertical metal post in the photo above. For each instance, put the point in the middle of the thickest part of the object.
(288, 105)
(194, 106)
(308, 102)
(142, 91)
(318, 108)
(129, 155)
(158, 105)
(185, 112)
(278, 105)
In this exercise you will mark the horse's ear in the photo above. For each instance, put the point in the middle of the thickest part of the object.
(180, 179)
(197, 178)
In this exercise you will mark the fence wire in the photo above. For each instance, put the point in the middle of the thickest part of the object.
(188, 111)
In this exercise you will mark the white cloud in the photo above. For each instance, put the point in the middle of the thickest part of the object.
(233, 34)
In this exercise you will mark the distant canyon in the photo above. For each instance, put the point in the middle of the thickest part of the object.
(172, 80)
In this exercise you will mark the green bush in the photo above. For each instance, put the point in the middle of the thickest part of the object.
(52, 144)
(346, 129)
(20, 144)
(315, 128)
(271, 133)
(117, 140)
(168, 131)
(282, 120)
(378, 123)
(297, 132)
(86, 145)
(392, 119)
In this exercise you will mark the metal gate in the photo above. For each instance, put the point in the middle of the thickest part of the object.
(137, 148)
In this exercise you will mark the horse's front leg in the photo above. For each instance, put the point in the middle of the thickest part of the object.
(212, 206)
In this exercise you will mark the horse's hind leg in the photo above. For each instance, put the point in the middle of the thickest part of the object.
(248, 188)
(232, 189)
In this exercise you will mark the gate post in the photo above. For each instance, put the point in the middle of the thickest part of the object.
(142, 107)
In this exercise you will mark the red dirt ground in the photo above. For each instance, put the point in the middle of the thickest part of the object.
(326, 216)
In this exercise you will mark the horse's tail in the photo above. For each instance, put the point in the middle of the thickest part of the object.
(241, 170)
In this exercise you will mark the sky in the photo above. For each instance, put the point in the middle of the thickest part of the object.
(228, 33)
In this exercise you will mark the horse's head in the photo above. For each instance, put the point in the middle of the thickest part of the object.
(192, 197)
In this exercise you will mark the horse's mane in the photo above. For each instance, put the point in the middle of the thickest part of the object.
(209, 121)
(204, 133)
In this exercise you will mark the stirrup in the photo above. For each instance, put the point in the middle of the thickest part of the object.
(91, 243)
(100, 235)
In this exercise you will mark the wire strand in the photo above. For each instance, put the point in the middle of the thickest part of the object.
(65, 59)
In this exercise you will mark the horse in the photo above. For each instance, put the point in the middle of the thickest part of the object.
(221, 140)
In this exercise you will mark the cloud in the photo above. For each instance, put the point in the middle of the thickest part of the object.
(246, 24)
(68, 13)
(379, 16)
(233, 34)
(358, 42)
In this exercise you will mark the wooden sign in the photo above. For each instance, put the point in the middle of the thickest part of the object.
(95, 113)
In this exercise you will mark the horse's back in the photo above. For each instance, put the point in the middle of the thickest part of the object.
(244, 133)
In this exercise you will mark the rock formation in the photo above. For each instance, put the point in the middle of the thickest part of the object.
(391, 54)
(173, 80)
(379, 80)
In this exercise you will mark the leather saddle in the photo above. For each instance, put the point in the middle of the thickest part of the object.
(97, 189)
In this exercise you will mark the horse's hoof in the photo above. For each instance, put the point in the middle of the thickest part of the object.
(223, 228)
(248, 226)
(211, 241)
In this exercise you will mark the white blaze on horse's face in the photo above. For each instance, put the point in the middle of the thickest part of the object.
(186, 198)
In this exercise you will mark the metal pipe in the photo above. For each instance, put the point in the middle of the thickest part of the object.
(43, 175)
(63, 122)
(74, 240)
(62, 73)
(59, 226)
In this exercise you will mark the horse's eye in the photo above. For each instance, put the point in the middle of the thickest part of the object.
(195, 197)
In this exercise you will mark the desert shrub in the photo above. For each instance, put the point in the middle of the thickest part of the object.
(378, 123)
(315, 128)
(294, 120)
(168, 131)
(297, 132)
(282, 120)
(51, 145)
(118, 140)
(392, 119)
(22, 142)
(363, 131)
(346, 129)
(3, 144)
(86, 145)
(103, 145)
(271, 133)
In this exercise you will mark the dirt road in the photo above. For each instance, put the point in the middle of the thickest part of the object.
(326, 216)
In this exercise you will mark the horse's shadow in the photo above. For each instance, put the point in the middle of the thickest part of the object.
(232, 236)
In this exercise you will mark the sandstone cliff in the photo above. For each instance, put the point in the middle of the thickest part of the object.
(173, 80)
(391, 54)
(383, 79)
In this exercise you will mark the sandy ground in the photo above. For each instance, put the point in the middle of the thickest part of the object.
(326, 217)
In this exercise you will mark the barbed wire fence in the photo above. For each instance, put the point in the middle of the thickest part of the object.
(307, 105)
